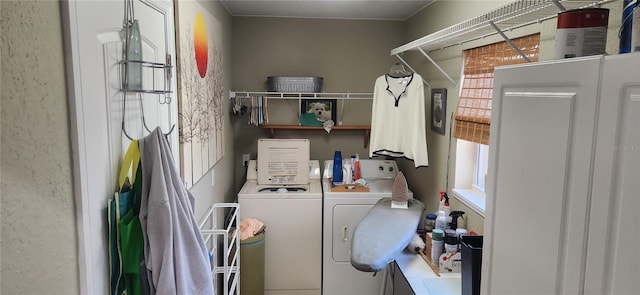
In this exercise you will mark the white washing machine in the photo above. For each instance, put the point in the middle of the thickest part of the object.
(292, 213)
(342, 212)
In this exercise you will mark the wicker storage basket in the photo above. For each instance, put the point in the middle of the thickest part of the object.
(295, 84)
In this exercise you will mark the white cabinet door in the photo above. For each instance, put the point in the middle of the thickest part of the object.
(613, 259)
(538, 192)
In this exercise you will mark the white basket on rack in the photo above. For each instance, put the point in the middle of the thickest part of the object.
(295, 84)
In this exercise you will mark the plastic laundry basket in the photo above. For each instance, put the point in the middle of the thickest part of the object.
(252, 265)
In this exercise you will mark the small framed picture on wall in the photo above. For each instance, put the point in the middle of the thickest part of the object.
(438, 109)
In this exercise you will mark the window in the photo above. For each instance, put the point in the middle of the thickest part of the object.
(471, 168)
(473, 115)
(480, 167)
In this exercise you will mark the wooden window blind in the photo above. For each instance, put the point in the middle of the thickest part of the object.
(473, 113)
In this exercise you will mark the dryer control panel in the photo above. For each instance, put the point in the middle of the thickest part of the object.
(378, 169)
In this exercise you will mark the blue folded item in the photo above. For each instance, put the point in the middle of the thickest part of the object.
(383, 233)
(309, 119)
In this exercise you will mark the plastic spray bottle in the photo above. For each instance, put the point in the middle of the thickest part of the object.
(441, 205)
(454, 218)
(446, 208)
(441, 221)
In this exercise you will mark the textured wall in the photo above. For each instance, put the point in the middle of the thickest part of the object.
(349, 54)
(39, 241)
(39, 252)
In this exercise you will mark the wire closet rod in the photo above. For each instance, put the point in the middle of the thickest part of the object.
(301, 95)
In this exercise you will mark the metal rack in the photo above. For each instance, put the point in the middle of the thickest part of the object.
(163, 92)
(300, 95)
(133, 68)
(153, 66)
(511, 16)
(225, 262)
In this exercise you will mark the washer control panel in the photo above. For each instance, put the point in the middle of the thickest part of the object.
(369, 169)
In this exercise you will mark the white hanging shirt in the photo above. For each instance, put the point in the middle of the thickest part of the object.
(398, 119)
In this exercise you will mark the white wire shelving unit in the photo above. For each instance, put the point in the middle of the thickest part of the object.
(223, 245)
(508, 17)
(299, 96)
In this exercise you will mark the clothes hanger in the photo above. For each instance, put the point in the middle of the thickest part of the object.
(398, 71)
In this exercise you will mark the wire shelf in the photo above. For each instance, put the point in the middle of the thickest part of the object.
(300, 95)
(511, 16)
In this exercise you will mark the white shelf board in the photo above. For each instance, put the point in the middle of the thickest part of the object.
(508, 17)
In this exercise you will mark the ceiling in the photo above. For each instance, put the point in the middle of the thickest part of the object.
(332, 9)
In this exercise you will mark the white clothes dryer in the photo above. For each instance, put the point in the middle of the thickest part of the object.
(342, 211)
(292, 214)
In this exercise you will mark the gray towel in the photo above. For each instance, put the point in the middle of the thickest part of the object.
(175, 253)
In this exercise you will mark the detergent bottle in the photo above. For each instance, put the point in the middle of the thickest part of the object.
(337, 167)
(347, 172)
(356, 168)
(353, 167)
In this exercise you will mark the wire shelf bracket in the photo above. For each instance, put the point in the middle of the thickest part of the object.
(514, 15)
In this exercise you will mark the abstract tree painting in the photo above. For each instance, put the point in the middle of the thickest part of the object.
(201, 89)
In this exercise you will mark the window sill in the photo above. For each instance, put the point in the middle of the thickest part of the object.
(472, 198)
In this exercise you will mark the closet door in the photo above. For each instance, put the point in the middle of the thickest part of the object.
(613, 259)
(538, 192)
(94, 46)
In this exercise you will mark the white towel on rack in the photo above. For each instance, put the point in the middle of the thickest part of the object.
(175, 253)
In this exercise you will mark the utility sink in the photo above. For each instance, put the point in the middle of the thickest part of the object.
(443, 286)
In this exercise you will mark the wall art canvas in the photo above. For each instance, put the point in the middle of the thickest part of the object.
(201, 90)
